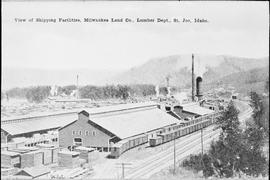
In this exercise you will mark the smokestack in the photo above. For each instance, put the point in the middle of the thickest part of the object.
(199, 88)
(168, 85)
(77, 93)
(192, 77)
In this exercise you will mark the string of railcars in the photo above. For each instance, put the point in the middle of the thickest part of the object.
(165, 135)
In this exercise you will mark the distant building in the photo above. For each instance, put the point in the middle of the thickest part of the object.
(235, 96)
(192, 110)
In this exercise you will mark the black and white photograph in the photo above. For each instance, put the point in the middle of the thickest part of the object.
(135, 90)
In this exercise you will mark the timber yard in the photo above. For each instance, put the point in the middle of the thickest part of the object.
(104, 139)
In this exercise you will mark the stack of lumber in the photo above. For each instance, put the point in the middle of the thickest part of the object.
(69, 159)
(8, 171)
(10, 159)
(85, 153)
(32, 159)
(4, 147)
(55, 155)
(47, 150)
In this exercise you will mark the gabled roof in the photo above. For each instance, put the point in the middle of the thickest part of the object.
(35, 171)
(134, 122)
(128, 120)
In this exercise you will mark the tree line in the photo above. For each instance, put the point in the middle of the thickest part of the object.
(38, 94)
(237, 151)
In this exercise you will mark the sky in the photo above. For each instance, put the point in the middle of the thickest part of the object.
(233, 28)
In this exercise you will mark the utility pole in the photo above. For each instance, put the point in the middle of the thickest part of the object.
(192, 79)
(174, 157)
(123, 166)
(202, 139)
(77, 93)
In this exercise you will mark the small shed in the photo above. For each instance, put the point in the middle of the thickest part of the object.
(69, 159)
(235, 96)
(10, 159)
(32, 159)
(34, 172)
(85, 153)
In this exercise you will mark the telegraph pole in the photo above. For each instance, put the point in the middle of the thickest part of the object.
(77, 94)
(123, 166)
(202, 139)
(174, 157)
(192, 79)
(123, 170)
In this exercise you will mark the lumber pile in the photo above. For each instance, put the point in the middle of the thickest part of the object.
(47, 150)
(8, 171)
(55, 155)
(69, 159)
(85, 153)
(32, 159)
(10, 159)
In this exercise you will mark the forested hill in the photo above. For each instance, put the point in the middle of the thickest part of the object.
(178, 67)
(244, 82)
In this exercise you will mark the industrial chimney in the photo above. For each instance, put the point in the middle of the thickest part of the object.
(192, 77)
(199, 88)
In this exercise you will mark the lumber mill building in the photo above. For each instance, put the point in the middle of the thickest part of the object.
(90, 127)
(93, 127)
(102, 127)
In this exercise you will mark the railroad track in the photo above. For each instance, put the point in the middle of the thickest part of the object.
(153, 165)
(179, 142)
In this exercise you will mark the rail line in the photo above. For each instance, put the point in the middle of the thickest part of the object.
(179, 142)
(147, 167)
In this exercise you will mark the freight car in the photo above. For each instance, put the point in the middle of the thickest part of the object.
(165, 135)
(187, 128)
(126, 144)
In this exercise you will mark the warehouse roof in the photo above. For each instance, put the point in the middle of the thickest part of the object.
(38, 124)
(196, 109)
(135, 121)
(46, 121)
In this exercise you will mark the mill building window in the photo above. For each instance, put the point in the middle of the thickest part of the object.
(77, 141)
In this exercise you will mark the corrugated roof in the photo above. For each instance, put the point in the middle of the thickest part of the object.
(134, 122)
(44, 121)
